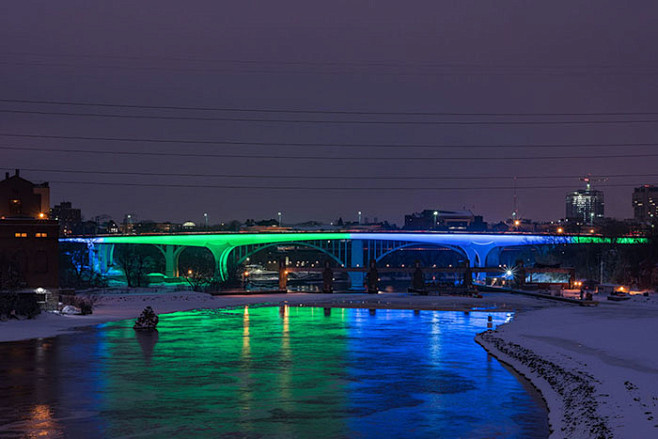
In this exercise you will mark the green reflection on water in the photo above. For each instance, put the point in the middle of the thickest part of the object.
(231, 372)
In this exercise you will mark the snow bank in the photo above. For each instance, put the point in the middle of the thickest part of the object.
(597, 368)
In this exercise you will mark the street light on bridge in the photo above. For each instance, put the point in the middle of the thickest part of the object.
(279, 215)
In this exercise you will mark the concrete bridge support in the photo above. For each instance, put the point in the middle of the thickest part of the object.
(101, 257)
(477, 255)
(171, 254)
(221, 254)
(357, 278)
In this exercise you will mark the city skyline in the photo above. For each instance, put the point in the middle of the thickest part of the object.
(360, 216)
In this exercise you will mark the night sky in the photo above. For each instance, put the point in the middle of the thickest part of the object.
(571, 59)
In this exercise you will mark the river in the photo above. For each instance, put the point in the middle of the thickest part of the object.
(269, 372)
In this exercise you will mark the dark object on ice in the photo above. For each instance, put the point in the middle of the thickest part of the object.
(147, 321)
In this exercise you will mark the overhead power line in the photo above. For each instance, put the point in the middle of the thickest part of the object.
(332, 122)
(345, 158)
(320, 177)
(311, 144)
(326, 188)
(316, 111)
(361, 70)
(360, 63)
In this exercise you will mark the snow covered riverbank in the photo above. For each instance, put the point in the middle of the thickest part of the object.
(597, 368)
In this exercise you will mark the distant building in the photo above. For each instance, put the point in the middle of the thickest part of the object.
(585, 206)
(70, 219)
(188, 226)
(128, 226)
(20, 198)
(112, 227)
(28, 240)
(444, 220)
(143, 227)
(645, 203)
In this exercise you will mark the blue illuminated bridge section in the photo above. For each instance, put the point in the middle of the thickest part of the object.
(349, 249)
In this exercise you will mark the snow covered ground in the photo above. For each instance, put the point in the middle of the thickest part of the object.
(597, 367)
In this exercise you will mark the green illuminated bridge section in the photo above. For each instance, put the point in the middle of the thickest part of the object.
(349, 249)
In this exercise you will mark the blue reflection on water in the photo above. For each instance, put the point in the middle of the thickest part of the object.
(429, 378)
(269, 372)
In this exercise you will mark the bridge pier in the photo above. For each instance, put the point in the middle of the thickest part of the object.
(477, 255)
(107, 257)
(357, 278)
(171, 254)
(100, 257)
(220, 255)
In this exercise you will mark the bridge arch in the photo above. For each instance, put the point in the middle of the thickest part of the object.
(257, 248)
(412, 244)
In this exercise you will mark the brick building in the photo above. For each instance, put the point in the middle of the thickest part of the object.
(20, 198)
(28, 239)
(28, 253)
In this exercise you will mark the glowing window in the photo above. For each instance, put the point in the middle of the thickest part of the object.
(20, 235)
(41, 235)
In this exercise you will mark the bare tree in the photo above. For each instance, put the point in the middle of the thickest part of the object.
(136, 262)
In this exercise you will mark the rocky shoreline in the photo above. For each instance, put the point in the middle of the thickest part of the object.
(570, 395)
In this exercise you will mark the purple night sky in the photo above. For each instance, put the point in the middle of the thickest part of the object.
(460, 56)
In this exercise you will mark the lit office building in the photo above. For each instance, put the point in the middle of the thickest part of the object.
(644, 203)
(585, 206)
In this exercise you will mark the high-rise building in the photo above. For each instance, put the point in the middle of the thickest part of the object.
(645, 203)
(70, 219)
(585, 206)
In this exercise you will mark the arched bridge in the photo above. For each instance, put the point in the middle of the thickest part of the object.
(350, 249)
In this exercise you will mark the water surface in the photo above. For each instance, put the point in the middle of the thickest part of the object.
(269, 372)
